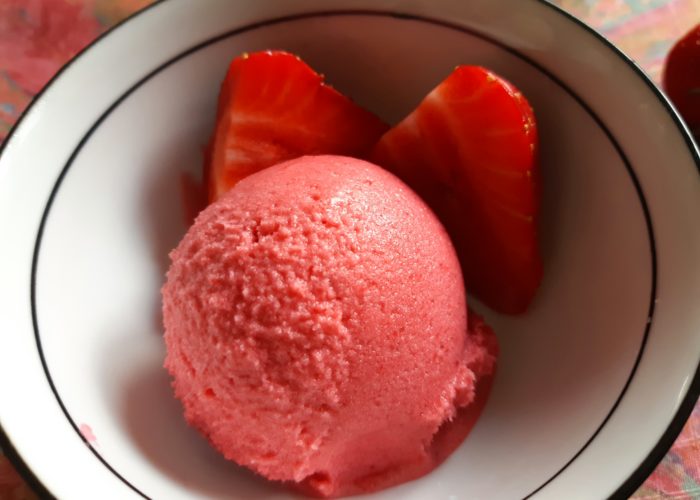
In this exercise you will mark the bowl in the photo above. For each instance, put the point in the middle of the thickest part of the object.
(594, 382)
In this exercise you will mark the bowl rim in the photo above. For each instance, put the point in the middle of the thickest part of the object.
(685, 408)
(673, 430)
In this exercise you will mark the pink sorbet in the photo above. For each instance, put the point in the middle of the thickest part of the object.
(316, 329)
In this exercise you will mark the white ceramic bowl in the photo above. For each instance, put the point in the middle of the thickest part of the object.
(595, 381)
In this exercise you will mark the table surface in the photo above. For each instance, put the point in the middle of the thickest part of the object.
(38, 36)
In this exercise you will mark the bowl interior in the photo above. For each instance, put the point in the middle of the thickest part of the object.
(118, 211)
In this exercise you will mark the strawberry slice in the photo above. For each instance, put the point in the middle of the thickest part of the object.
(681, 78)
(273, 107)
(470, 151)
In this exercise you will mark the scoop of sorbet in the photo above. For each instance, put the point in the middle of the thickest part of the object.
(316, 328)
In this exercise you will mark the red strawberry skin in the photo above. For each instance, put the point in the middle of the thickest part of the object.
(273, 107)
(681, 78)
(470, 150)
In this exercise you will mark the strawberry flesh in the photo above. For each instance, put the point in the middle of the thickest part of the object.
(273, 107)
(470, 150)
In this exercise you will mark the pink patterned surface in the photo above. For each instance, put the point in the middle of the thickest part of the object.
(38, 36)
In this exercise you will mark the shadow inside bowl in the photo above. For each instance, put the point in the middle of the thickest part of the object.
(166, 216)
(153, 419)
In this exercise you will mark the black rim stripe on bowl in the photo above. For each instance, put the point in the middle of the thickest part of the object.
(662, 447)
(6, 444)
(251, 27)
(685, 408)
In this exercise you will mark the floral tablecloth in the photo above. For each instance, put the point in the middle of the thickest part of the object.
(38, 36)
